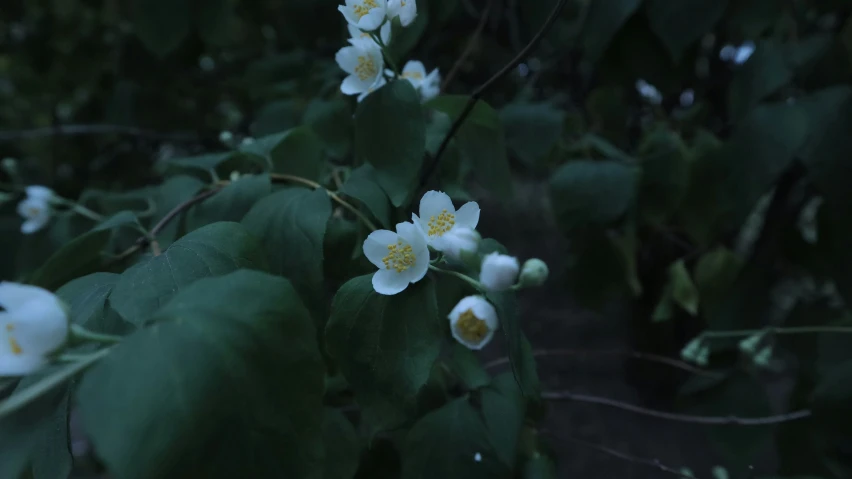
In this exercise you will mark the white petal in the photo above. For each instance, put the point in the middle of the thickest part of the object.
(348, 13)
(433, 203)
(347, 58)
(412, 235)
(408, 12)
(16, 295)
(39, 192)
(19, 365)
(40, 327)
(468, 215)
(414, 69)
(372, 20)
(389, 282)
(29, 227)
(376, 246)
(499, 272)
(385, 33)
(352, 85)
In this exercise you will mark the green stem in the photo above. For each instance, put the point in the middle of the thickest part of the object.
(476, 284)
(81, 333)
(386, 53)
(776, 330)
(79, 209)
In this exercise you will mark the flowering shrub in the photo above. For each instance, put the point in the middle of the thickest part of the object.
(304, 284)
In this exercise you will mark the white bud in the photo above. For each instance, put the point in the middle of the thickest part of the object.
(534, 273)
(461, 239)
(473, 322)
(34, 325)
(763, 356)
(499, 272)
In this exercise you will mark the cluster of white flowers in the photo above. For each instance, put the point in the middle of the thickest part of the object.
(403, 258)
(33, 324)
(737, 55)
(36, 208)
(369, 23)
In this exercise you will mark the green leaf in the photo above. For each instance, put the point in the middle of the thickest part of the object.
(161, 25)
(86, 298)
(716, 272)
(667, 21)
(332, 121)
(665, 165)
(828, 148)
(532, 129)
(385, 346)
(603, 20)
(199, 163)
(363, 185)
(390, 134)
(342, 446)
(81, 256)
(122, 218)
(232, 203)
(504, 409)
(212, 250)
(297, 151)
(481, 141)
(591, 192)
(539, 466)
(766, 72)
(445, 442)
(466, 366)
(168, 196)
(520, 352)
(684, 292)
(231, 386)
(291, 225)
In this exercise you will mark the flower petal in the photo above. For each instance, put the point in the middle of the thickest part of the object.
(16, 295)
(348, 13)
(372, 20)
(40, 327)
(352, 85)
(389, 282)
(347, 58)
(468, 215)
(412, 234)
(376, 246)
(385, 33)
(433, 203)
(19, 365)
(39, 192)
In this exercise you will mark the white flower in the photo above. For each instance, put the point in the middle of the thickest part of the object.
(365, 14)
(499, 271)
(414, 72)
(438, 217)
(406, 10)
(473, 322)
(384, 33)
(34, 323)
(382, 82)
(401, 257)
(687, 98)
(431, 86)
(744, 52)
(35, 209)
(364, 63)
(534, 273)
(461, 239)
(649, 92)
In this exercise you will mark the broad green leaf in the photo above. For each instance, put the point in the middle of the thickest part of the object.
(277, 116)
(467, 367)
(503, 410)
(481, 141)
(161, 25)
(667, 20)
(385, 346)
(212, 250)
(445, 444)
(665, 163)
(766, 71)
(231, 203)
(231, 386)
(291, 225)
(297, 151)
(168, 196)
(363, 185)
(199, 163)
(591, 192)
(684, 292)
(86, 298)
(390, 134)
(83, 255)
(342, 446)
(603, 20)
(520, 352)
(828, 147)
(122, 218)
(716, 272)
(532, 129)
(332, 121)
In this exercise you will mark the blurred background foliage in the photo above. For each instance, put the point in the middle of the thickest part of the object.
(696, 154)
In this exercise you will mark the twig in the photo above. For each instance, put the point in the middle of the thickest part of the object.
(717, 420)
(655, 463)
(468, 49)
(334, 196)
(634, 354)
(180, 208)
(477, 94)
(76, 130)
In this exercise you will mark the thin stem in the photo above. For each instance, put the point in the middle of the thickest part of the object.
(777, 330)
(75, 130)
(386, 53)
(334, 196)
(81, 333)
(477, 94)
(468, 49)
(83, 211)
(476, 284)
(717, 420)
(180, 208)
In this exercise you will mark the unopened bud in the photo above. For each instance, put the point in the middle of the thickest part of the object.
(534, 273)
(749, 344)
(690, 351)
(226, 137)
(703, 357)
(719, 472)
(763, 356)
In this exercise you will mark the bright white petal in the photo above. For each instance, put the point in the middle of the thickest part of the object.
(385, 33)
(39, 192)
(348, 13)
(412, 235)
(352, 85)
(347, 58)
(16, 295)
(372, 20)
(29, 227)
(468, 215)
(408, 12)
(433, 203)
(389, 282)
(40, 327)
(376, 246)
(12, 365)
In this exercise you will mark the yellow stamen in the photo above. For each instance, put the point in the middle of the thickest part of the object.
(16, 348)
(10, 327)
(413, 75)
(440, 225)
(366, 68)
(400, 257)
(364, 8)
(471, 328)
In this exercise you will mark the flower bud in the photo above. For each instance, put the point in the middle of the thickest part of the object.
(749, 344)
(461, 239)
(533, 273)
(690, 351)
(34, 325)
(499, 272)
(473, 322)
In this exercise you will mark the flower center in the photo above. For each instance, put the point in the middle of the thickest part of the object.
(441, 224)
(33, 212)
(366, 68)
(471, 328)
(364, 8)
(16, 348)
(413, 75)
(400, 257)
